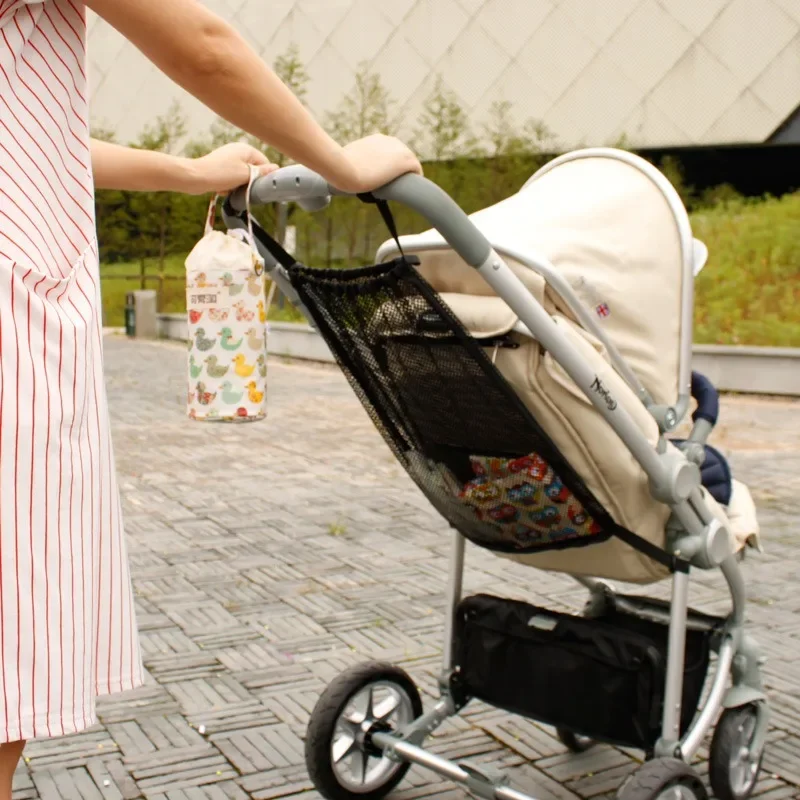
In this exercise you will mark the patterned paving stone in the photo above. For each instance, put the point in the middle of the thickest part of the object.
(265, 748)
(268, 558)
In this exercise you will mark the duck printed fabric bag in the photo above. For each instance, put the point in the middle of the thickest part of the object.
(227, 317)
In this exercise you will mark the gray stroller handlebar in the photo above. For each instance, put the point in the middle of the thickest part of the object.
(298, 184)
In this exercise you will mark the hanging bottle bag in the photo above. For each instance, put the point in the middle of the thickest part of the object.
(227, 317)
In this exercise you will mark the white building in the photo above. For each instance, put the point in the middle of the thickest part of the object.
(663, 73)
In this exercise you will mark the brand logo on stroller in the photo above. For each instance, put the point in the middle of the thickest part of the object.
(599, 388)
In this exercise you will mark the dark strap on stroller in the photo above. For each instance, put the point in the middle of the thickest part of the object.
(386, 215)
(285, 259)
(671, 562)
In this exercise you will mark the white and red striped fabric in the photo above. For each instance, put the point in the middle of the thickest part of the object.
(67, 623)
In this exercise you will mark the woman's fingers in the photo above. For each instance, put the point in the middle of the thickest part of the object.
(255, 157)
(379, 159)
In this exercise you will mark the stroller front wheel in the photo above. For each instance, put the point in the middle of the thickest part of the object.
(663, 779)
(341, 759)
(733, 768)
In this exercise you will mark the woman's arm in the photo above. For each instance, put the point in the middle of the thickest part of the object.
(209, 59)
(131, 169)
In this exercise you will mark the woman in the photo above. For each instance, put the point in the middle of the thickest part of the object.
(67, 626)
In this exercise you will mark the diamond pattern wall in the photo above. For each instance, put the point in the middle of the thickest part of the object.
(660, 72)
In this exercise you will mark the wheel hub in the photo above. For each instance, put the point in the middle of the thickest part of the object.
(359, 765)
(677, 793)
(744, 763)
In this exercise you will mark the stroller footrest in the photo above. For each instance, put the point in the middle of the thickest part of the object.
(602, 677)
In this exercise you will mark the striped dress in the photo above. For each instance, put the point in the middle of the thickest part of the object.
(67, 624)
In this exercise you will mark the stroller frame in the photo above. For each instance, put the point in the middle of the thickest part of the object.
(696, 538)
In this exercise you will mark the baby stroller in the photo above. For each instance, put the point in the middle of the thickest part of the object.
(528, 366)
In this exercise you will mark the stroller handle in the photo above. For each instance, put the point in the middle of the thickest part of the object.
(298, 184)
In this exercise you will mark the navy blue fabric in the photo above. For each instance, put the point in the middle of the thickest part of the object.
(715, 474)
(707, 398)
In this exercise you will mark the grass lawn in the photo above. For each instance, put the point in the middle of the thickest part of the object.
(748, 293)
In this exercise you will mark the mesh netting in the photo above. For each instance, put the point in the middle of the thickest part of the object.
(449, 416)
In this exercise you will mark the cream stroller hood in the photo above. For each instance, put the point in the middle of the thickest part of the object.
(617, 232)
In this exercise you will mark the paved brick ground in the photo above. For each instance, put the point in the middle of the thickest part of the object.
(269, 557)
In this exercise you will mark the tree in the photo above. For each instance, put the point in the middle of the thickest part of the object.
(622, 142)
(505, 140)
(160, 216)
(291, 70)
(672, 169)
(367, 110)
(166, 133)
(115, 226)
(513, 154)
(444, 135)
(444, 130)
(364, 111)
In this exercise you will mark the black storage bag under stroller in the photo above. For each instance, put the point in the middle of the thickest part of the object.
(601, 677)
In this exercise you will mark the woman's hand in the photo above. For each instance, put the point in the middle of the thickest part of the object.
(227, 168)
(376, 160)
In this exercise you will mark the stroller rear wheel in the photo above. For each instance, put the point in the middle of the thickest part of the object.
(733, 768)
(574, 742)
(341, 759)
(663, 779)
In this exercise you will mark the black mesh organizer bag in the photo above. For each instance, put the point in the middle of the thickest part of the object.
(601, 677)
(447, 413)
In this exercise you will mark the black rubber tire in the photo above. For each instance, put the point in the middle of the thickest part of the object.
(653, 777)
(719, 757)
(321, 727)
(571, 741)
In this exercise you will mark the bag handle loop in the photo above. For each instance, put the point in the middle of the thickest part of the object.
(212, 215)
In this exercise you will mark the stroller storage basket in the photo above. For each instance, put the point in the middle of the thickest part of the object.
(601, 677)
